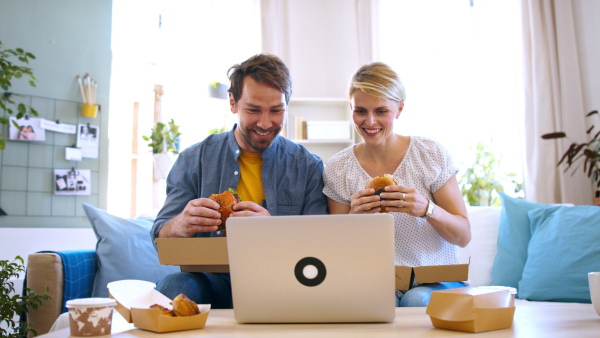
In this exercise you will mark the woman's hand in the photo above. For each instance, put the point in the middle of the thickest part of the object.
(365, 202)
(398, 198)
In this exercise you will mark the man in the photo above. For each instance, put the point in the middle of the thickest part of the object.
(272, 175)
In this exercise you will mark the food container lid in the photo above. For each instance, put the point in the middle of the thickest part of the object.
(90, 302)
(511, 290)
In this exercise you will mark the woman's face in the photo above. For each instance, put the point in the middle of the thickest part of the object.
(374, 117)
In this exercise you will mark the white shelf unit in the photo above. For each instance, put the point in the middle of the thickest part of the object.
(320, 109)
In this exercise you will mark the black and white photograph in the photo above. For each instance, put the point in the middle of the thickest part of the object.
(29, 129)
(72, 182)
(88, 140)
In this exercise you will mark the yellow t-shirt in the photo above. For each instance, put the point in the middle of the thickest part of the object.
(250, 186)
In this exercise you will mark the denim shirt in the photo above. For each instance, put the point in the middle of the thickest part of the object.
(292, 178)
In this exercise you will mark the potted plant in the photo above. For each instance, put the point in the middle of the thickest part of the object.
(15, 305)
(8, 72)
(217, 90)
(586, 155)
(482, 183)
(164, 142)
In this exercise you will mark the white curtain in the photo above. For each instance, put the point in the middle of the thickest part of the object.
(553, 102)
(276, 26)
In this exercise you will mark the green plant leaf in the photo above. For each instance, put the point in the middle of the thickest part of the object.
(8, 71)
(163, 138)
(483, 180)
(13, 304)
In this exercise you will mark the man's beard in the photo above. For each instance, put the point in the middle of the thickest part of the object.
(259, 144)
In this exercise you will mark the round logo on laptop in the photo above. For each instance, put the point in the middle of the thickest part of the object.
(310, 271)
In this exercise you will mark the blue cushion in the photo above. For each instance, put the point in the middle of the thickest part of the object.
(513, 238)
(124, 249)
(564, 247)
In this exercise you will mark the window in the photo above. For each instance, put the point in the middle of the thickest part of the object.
(461, 66)
(183, 46)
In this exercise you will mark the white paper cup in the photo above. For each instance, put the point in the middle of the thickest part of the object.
(90, 317)
(594, 279)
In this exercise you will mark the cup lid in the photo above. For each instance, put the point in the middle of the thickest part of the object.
(90, 302)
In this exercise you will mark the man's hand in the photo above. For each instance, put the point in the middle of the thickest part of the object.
(248, 208)
(199, 215)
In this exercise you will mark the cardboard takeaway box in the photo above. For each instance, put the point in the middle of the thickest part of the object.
(473, 309)
(134, 298)
(209, 254)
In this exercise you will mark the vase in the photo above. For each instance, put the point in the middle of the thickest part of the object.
(162, 165)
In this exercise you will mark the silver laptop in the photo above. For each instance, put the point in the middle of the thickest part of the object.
(312, 269)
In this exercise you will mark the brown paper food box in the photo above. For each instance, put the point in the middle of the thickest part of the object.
(472, 309)
(210, 255)
(134, 298)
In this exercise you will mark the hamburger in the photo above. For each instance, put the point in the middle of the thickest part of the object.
(379, 183)
(227, 199)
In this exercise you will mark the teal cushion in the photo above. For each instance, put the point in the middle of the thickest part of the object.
(513, 238)
(124, 250)
(564, 247)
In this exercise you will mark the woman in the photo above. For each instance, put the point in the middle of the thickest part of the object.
(430, 215)
(26, 133)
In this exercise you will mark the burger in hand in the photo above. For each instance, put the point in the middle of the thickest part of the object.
(379, 184)
(227, 199)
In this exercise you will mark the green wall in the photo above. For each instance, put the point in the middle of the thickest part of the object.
(68, 38)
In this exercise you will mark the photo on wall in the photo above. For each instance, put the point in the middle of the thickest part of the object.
(72, 182)
(30, 129)
(88, 138)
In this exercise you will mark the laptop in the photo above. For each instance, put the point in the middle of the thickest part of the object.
(312, 269)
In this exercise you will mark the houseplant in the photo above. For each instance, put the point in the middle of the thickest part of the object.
(482, 181)
(217, 90)
(164, 138)
(15, 305)
(586, 155)
(8, 72)
(164, 142)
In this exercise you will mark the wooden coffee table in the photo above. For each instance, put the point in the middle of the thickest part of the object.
(532, 319)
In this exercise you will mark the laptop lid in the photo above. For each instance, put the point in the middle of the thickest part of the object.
(313, 268)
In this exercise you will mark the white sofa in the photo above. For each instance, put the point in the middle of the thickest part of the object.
(481, 251)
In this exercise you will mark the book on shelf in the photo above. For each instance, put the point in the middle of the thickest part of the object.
(299, 128)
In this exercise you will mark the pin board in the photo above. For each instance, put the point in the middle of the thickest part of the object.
(32, 191)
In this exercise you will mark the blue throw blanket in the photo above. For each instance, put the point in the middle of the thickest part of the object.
(79, 271)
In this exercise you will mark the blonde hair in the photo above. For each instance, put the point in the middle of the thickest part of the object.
(379, 80)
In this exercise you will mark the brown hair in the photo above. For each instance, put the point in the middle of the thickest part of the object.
(265, 68)
(379, 80)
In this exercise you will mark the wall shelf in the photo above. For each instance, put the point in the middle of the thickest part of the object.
(302, 110)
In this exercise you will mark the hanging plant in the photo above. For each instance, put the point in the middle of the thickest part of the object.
(8, 72)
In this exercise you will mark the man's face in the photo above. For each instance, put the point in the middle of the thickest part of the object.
(261, 113)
